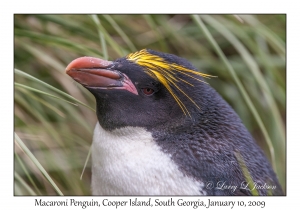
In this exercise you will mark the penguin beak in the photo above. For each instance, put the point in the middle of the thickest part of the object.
(97, 73)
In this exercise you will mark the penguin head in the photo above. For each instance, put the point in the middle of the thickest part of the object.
(145, 88)
(186, 118)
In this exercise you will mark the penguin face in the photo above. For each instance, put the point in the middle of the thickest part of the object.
(129, 92)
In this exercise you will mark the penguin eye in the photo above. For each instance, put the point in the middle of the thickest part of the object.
(148, 91)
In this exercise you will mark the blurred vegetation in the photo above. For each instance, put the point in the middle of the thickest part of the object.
(54, 130)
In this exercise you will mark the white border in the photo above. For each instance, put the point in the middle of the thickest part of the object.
(8, 201)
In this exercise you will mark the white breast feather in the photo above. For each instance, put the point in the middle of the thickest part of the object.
(127, 161)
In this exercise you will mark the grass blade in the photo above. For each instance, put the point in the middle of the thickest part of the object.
(107, 37)
(240, 86)
(27, 174)
(42, 92)
(53, 40)
(246, 173)
(254, 69)
(22, 73)
(121, 32)
(278, 44)
(26, 186)
(37, 163)
(86, 161)
(101, 36)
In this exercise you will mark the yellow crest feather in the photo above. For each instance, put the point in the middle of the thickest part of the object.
(164, 72)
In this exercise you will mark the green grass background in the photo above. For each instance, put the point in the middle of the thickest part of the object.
(54, 117)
